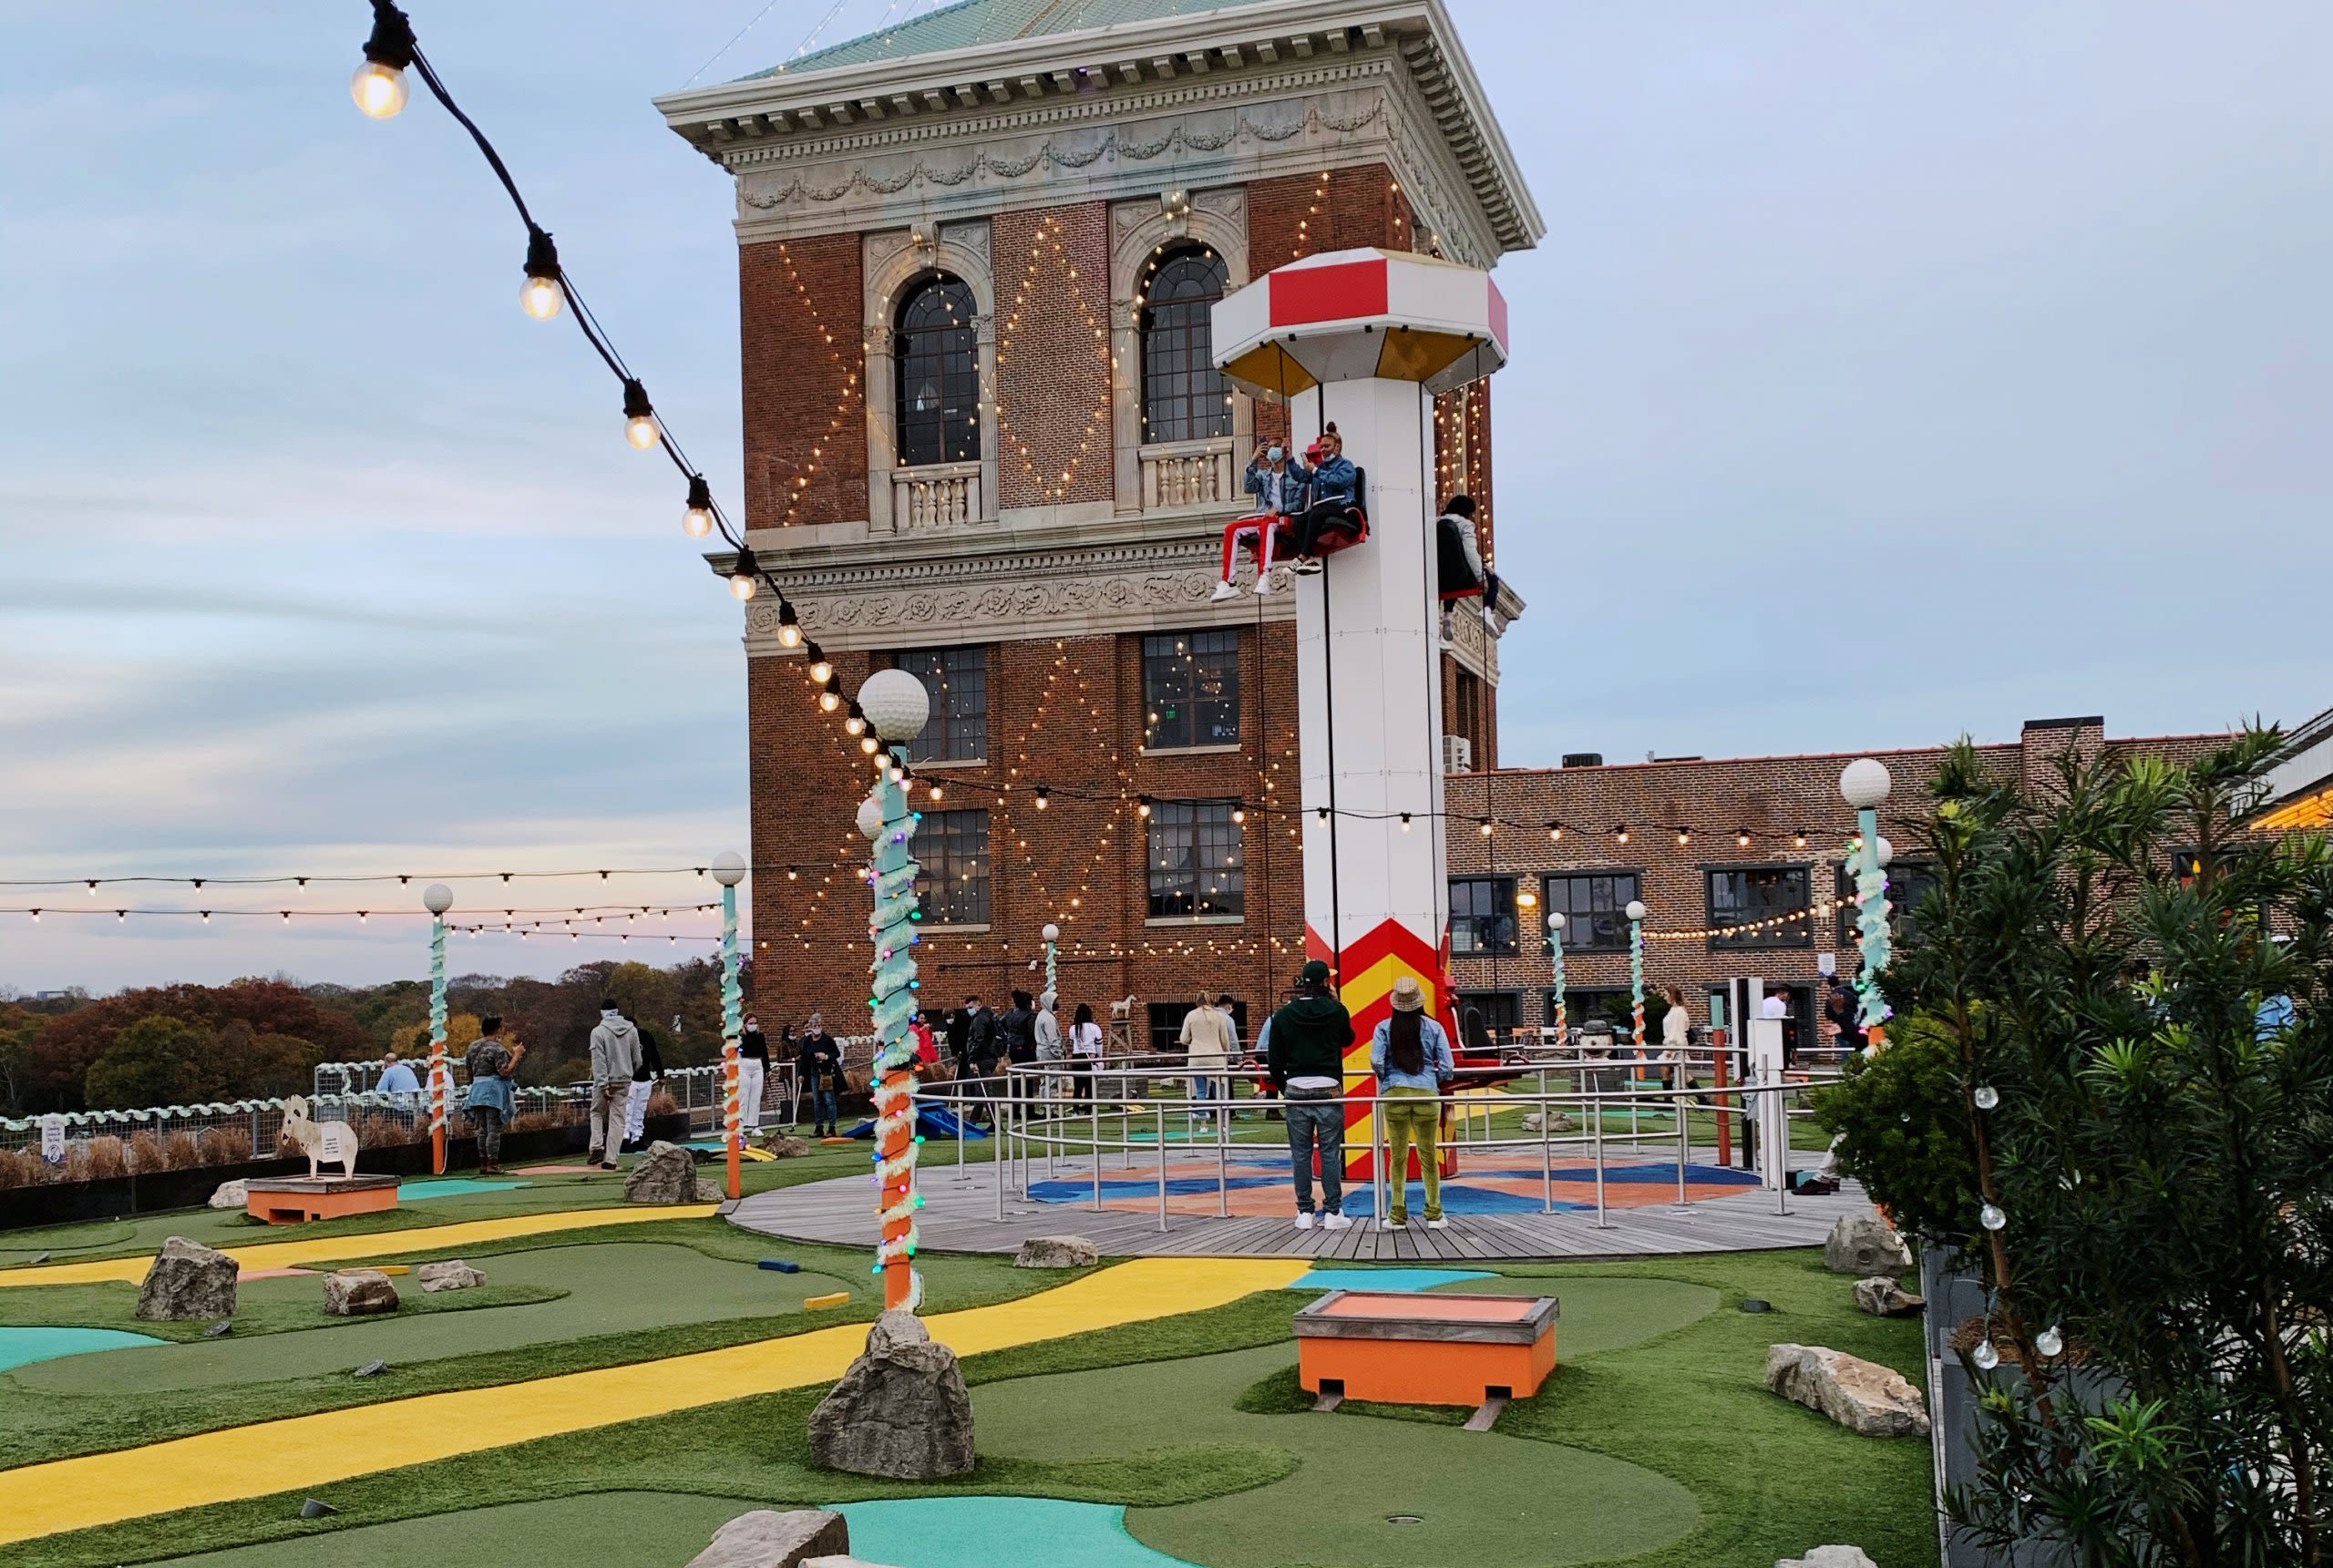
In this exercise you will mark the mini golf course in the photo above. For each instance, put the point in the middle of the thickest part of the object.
(629, 1378)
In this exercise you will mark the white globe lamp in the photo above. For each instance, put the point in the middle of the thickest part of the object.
(896, 704)
(728, 868)
(1052, 933)
(1636, 909)
(438, 898)
(1886, 852)
(871, 817)
(1864, 782)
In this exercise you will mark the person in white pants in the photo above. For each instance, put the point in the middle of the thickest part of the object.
(753, 1063)
(643, 1085)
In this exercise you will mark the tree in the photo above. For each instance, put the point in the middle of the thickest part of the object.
(69, 1045)
(158, 1061)
(2118, 1012)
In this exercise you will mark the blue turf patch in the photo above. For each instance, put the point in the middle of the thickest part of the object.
(1071, 1192)
(997, 1532)
(450, 1187)
(23, 1347)
(1408, 1279)
(1457, 1198)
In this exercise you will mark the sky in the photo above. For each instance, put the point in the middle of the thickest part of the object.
(1886, 372)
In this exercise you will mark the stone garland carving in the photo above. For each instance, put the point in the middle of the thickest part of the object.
(997, 604)
(1062, 151)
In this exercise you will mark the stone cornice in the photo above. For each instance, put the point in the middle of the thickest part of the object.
(1096, 72)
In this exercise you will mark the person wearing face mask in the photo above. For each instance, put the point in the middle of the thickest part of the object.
(1276, 485)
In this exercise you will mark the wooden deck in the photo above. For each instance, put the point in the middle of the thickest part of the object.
(960, 1215)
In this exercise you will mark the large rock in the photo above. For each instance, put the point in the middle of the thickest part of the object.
(189, 1282)
(451, 1274)
(1882, 1298)
(1863, 1244)
(1862, 1396)
(232, 1194)
(767, 1539)
(785, 1145)
(901, 1412)
(359, 1293)
(1829, 1557)
(666, 1174)
(711, 1193)
(1057, 1252)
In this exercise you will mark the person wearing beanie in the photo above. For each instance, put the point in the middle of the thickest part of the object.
(1304, 1046)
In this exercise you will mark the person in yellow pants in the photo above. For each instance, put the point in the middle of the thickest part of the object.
(1411, 1056)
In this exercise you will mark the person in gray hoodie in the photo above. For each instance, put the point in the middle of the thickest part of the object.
(615, 1052)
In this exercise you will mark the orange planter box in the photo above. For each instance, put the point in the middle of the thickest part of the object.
(1403, 1348)
(290, 1200)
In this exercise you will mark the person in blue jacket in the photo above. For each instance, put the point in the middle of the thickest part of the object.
(1332, 483)
(1411, 1057)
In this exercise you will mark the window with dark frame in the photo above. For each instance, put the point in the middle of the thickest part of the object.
(1184, 396)
(1586, 1004)
(1190, 690)
(1590, 909)
(937, 358)
(1499, 1014)
(957, 679)
(1908, 885)
(1752, 894)
(952, 847)
(1164, 1021)
(1467, 699)
(1197, 860)
(1482, 917)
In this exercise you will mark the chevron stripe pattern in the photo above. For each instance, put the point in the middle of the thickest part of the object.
(1365, 972)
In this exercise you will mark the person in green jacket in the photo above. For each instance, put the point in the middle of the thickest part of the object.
(1304, 1045)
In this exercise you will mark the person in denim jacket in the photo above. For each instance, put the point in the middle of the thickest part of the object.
(1411, 1056)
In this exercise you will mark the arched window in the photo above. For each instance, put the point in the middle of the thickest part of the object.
(1183, 394)
(938, 374)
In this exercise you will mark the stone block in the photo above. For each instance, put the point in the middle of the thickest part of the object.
(359, 1293)
(1829, 1557)
(901, 1412)
(1862, 1396)
(1882, 1298)
(188, 1283)
(1863, 1244)
(451, 1274)
(666, 1174)
(1057, 1252)
(232, 1195)
(767, 1538)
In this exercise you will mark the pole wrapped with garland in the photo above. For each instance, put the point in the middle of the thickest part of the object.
(1636, 969)
(1865, 784)
(438, 899)
(729, 869)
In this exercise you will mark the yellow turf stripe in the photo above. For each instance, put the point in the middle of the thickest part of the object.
(308, 1452)
(378, 1244)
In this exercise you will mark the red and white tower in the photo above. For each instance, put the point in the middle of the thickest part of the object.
(1363, 339)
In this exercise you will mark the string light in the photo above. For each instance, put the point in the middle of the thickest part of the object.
(743, 576)
(379, 86)
(1620, 834)
(697, 520)
(540, 296)
(640, 425)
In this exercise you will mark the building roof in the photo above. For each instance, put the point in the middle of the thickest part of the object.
(970, 21)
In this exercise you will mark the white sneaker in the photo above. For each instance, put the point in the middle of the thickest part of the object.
(1437, 1224)
(1264, 589)
(1306, 566)
(1304, 1221)
(1224, 590)
(1393, 1224)
(1335, 1223)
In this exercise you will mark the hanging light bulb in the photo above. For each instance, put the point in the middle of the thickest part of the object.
(1798, 840)
(697, 521)
(2050, 1341)
(541, 296)
(828, 702)
(742, 576)
(1741, 839)
(1142, 806)
(1406, 822)
(639, 417)
(821, 670)
(1239, 814)
(789, 629)
(1986, 1356)
(855, 722)
(1555, 833)
(1986, 1097)
(1043, 797)
(1991, 1217)
(1620, 834)
(935, 792)
(378, 86)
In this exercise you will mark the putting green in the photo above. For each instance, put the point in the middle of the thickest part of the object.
(313, 1450)
(604, 1528)
(1482, 1499)
(613, 1286)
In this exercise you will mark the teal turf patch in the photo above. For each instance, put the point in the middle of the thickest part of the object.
(23, 1347)
(1386, 1278)
(450, 1187)
(997, 1532)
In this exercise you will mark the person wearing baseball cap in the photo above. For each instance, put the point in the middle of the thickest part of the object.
(1304, 1046)
(1411, 1056)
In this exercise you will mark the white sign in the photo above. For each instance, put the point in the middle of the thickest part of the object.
(335, 1146)
(1827, 963)
(52, 1139)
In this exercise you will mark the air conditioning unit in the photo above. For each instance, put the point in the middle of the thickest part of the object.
(1457, 754)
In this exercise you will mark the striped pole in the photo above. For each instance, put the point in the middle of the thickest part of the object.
(438, 898)
(733, 1024)
(1636, 969)
(891, 872)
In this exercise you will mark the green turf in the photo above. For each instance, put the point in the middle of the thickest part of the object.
(605, 1530)
(604, 1290)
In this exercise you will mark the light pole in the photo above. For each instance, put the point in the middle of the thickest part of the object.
(896, 707)
(1636, 969)
(729, 869)
(438, 898)
(1865, 784)
(1052, 934)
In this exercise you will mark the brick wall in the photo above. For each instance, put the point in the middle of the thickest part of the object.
(1306, 214)
(804, 366)
(1053, 279)
(1774, 800)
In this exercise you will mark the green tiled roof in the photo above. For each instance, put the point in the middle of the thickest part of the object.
(972, 21)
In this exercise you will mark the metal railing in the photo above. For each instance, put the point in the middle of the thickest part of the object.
(1038, 1116)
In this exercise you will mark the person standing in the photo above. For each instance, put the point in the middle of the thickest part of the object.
(927, 1048)
(1411, 1057)
(1018, 1030)
(959, 1037)
(615, 1052)
(1085, 1051)
(1840, 1012)
(489, 1102)
(643, 1084)
(753, 1070)
(980, 1052)
(1676, 1037)
(398, 1079)
(1208, 1042)
(1051, 1051)
(820, 1060)
(1304, 1046)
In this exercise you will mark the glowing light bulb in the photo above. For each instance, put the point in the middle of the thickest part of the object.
(789, 629)
(828, 702)
(2050, 1341)
(820, 668)
(1986, 1097)
(697, 520)
(639, 417)
(541, 297)
(741, 586)
(1991, 1217)
(1986, 1356)
(379, 89)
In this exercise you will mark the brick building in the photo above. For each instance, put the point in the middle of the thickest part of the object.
(985, 441)
(1738, 841)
